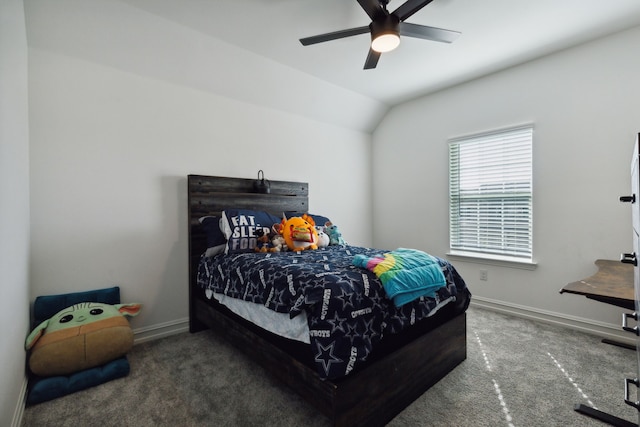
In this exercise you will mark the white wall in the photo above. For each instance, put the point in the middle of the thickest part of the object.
(585, 107)
(119, 35)
(111, 148)
(14, 208)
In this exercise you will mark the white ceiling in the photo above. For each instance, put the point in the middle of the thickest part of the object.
(495, 34)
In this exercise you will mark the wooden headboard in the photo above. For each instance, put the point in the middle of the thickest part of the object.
(210, 195)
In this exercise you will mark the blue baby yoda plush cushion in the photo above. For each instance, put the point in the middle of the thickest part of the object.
(43, 388)
(79, 337)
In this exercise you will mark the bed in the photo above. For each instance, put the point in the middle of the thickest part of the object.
(369, 389)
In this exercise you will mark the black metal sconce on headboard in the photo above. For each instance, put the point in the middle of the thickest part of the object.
(261, 185)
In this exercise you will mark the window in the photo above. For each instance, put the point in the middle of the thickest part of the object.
(490, 195)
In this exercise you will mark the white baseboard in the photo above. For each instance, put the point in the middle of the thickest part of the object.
(601, 329)
(160, 330)
(18, 413)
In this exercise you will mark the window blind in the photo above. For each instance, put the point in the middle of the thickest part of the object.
(490, 188)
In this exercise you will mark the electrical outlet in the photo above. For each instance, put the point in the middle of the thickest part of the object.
(484, 274)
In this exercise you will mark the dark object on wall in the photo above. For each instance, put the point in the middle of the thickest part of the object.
(386, 28)
(261, 185)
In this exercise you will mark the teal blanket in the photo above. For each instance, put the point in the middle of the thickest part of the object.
(406, 274)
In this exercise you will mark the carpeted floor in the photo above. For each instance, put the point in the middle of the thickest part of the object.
(517, 373)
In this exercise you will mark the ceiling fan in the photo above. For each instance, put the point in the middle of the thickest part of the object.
(386, 28)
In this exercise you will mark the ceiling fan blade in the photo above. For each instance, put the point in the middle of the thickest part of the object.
(428, 33)
(410, 7)
(373, 8)
(334, 35)
(372, 59)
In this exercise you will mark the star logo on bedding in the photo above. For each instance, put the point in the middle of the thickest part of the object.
(244, 232)
(326, 357)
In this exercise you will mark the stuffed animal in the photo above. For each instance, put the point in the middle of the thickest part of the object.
(80, 337)
(263, 241)
(323, 239)
(335, 236)
(299, 233)
(277, 240)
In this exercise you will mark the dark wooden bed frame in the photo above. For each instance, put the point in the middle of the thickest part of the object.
(372, 395)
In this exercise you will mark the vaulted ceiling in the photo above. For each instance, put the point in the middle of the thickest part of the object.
(249, 50)
(496, 34)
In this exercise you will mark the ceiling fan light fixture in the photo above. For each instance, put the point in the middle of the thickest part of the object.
(385, 34)
(385, 42)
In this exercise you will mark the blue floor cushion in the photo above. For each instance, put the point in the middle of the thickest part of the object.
(41, 389)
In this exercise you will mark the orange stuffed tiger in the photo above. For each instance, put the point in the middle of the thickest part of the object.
(299, 233)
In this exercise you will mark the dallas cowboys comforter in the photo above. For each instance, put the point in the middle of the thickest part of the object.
(347, 309)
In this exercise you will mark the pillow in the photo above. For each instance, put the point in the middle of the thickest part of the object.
(79, 337)
(216, 241)
(47, 388)
(41, 389)
(320, 220)
(239, 227)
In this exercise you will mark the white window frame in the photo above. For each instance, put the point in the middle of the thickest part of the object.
(491, 195)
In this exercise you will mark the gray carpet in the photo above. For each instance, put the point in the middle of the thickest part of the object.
(517, 373)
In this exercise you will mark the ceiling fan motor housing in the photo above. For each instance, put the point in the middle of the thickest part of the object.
(385, 33)
(389, 25)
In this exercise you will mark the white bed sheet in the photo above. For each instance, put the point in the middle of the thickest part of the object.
(277, 323)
